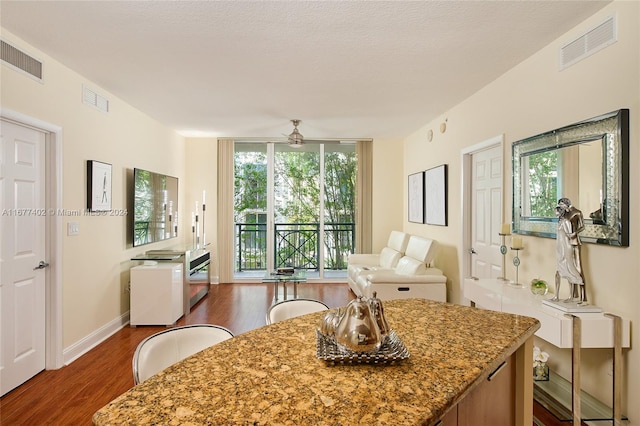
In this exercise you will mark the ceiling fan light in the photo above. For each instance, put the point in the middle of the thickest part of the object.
(295, 139)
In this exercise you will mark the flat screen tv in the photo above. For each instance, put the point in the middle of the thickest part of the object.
(155, 207)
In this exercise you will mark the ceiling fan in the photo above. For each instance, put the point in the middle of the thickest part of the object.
(296, 140)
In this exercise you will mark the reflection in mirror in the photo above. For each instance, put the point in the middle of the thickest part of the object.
(585, 162)
(574, 169)
(155, 207)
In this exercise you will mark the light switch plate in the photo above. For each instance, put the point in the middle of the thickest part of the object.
(73, 228)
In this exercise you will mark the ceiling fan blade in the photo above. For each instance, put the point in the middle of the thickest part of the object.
(329, 141)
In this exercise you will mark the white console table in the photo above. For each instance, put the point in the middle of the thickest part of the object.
(559, 328)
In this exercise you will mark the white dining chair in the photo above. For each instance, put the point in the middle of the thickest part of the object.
(293, 308)
(163, 349)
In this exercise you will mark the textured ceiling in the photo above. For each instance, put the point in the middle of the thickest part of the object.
(347, 69)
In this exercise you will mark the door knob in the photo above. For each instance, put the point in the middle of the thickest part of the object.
(472, 251)
(41, 265)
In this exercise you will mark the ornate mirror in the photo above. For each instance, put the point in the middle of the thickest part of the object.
(586, 162)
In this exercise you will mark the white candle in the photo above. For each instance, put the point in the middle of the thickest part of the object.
(203, 196)
(193, 219)
(196, 208)
(505, 229)
(516, 243)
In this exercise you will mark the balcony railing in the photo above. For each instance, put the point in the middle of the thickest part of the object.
(295, 244)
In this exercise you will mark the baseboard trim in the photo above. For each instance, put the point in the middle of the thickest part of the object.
(89, 342)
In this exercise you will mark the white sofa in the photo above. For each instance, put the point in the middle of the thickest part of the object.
(359, 263)
(412, 275)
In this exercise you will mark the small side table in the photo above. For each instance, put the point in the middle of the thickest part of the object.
(299, 276)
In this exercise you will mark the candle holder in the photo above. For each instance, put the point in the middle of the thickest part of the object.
(197, 234)
(503, 251)
(175, 226)
(204, 208)
(193, 231)
(516, 263)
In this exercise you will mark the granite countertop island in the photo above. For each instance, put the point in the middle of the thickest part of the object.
(272, 375)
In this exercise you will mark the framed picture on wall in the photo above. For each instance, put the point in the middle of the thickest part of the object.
(416, 197)
(98, 186)
(435, 195)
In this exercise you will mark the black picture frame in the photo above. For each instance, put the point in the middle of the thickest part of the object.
(99, 176)
(416, 197)
(436, 196)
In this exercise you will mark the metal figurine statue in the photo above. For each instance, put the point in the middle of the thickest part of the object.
(570, 224)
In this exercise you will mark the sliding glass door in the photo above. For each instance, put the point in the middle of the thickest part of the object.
(294, 207)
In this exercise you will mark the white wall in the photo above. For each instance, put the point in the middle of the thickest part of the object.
(95, 264)
(532, 98)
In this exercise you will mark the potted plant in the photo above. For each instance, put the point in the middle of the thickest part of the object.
(540, 367)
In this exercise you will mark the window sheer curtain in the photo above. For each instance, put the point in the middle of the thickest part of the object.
(225, 210)
(364, 187)
(364, 195)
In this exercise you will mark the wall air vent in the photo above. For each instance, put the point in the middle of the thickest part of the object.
(93, 99)
(20, 61)
(589, 43)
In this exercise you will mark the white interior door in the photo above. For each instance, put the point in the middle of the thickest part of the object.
(486, 212)
(22, 232)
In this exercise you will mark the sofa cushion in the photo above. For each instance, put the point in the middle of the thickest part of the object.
(410, 266)
(389, 258)
(422, 249)
(398, 241)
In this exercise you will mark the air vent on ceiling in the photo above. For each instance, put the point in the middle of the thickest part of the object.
(20, 61)
(589, 43)
(93, 99)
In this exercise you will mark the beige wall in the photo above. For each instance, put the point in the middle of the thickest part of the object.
(201, 174)
(532, 98)
(387, 198)
(95, 264)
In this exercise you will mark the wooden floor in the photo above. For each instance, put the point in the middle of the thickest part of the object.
(70, 395)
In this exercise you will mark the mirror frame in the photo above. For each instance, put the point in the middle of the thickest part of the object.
(613, 130)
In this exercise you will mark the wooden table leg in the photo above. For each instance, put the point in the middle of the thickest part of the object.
(575, 369)
(524, 384)
(617, 368)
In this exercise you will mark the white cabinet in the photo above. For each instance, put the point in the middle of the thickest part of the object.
(196, 267)
(156, 294)
(555, 326)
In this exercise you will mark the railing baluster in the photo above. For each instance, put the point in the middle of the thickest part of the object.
(295, 244)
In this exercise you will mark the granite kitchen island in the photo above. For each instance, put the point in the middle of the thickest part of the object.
(272, 375)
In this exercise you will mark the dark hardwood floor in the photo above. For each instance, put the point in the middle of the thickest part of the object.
(70, 395)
